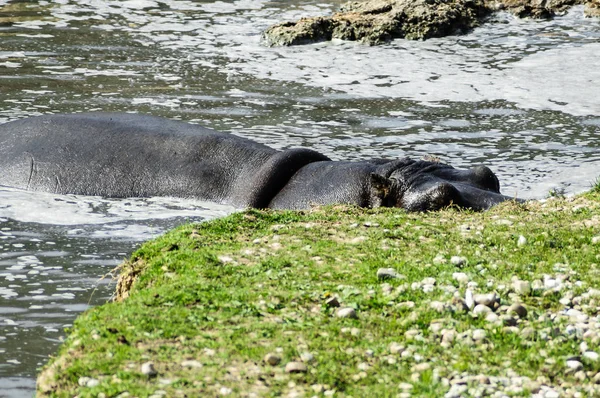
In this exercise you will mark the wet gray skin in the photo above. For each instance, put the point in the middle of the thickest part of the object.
(513, 95)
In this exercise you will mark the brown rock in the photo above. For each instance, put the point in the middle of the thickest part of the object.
(379, 21)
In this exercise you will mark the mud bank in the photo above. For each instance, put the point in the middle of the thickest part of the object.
(379, 21)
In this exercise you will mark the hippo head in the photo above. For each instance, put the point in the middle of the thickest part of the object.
(419, 185)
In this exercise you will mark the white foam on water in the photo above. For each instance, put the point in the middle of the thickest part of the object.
(46, 208)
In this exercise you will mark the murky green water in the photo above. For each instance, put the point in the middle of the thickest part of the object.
(519, 96)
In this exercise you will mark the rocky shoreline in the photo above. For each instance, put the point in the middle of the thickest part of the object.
(379, 21)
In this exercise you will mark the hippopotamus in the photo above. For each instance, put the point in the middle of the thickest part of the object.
(131, 155)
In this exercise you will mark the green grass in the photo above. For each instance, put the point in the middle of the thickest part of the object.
(227, 292)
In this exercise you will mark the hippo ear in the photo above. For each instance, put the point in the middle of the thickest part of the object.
(380, 190)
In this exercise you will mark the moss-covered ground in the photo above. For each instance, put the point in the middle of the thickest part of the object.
(222, 307)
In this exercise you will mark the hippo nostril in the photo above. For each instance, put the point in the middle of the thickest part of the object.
(485, 178)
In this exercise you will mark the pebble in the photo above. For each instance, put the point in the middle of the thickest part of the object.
(295, 367)
(405, 386)
(386, 273)
(479, 334)
(460, 277)
(522, 241)
(486, 299)
(518, 309)
(192, 363)
(347, 312)
(88, 382)
(481, 310)
(332, 302)
(307, 357)
(528, 332)
(537, 285)
(437, 306)
(457, 260)
(574, 365)
(428, 288)
(439, 259)
(469, 301)
(448, 337)
(396, 348)
(491, 318)
(225, 391)
(591, 355)
(148, 369)
(577, 315)
(272, 359)
(456, 391)
(83, 380)
(596, 240)
(422, 367)
(522, 288)
(551, 283)
(429, 281)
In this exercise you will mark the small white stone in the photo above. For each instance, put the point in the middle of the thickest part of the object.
(486, 299)
(591, 355)
(191, 363)
(479, 334)
(492, 318)
(148, 369)
(295, 367)
(437, 306)
(439, 259)
(469, 301)
(429, 281)
(83, 380)
(396, 348)
(307, 357)
(405, 386)
(522, 288)
(522, 241)
(225, 391)
(551, 283)
(596, 240)
(427, 288)
(363, 366)
(386, 273)
(448, 336)
(481, 310)
(577, 315)
(460, 277)
(457, 260)
(551, 394)
(422, 367)
(92, 383)
(347, 312)
(574, 365)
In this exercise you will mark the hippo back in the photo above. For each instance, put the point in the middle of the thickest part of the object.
(126, 155)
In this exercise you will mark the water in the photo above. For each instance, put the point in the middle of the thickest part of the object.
(519, 96)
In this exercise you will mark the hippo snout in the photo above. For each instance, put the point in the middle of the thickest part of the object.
(440, 194)
(433, 197)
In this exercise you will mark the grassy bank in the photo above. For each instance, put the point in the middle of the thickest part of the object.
(349, 302)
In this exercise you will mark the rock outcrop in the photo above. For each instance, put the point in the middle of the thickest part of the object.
(379, 21)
